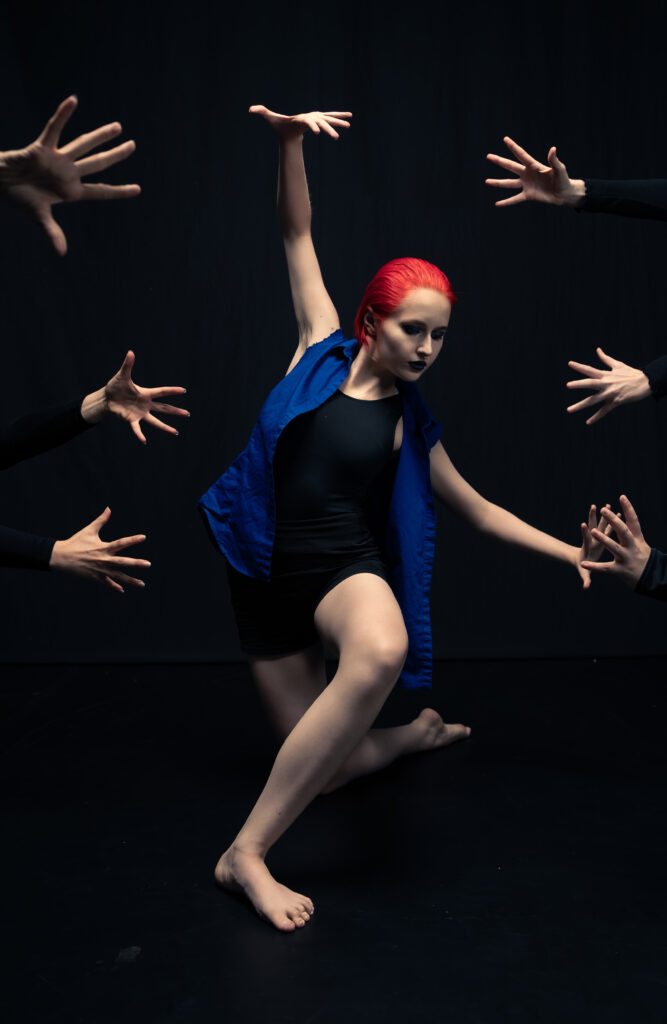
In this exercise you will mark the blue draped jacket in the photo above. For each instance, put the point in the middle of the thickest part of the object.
(240, 505)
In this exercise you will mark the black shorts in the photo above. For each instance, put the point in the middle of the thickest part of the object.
(277, 617)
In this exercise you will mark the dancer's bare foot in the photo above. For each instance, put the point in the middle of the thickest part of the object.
(380, 747)
(248, 873)
(430, 732)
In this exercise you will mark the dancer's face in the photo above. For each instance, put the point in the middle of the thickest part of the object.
(409, 340)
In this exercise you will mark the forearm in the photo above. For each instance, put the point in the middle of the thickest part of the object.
(653, 580)
(656, 374)
(294, 215)
(19, 550)
(498, 522)
(40, 432)
(645, 198)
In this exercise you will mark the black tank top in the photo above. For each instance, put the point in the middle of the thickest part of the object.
(333, 475)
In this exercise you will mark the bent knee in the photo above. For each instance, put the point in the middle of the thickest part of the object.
(381, 656)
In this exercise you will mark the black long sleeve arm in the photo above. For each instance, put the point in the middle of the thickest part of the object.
(28, 436)
(656, 371)
(19, 550)
(653, 580)
(39, 432)
(645, 198)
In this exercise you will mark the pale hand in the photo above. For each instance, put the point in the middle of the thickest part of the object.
(85, 554)
(543, 183)
(630, 553)
(618, 385)
(592, 549)
(295, 126)
(123, 398)
(45, 173)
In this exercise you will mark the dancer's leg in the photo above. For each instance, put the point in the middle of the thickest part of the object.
(361, 619)
(290, 684)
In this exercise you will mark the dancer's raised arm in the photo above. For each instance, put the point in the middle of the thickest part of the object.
(315, 312)
(450, 487)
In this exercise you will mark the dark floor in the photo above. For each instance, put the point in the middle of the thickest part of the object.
(518, 877)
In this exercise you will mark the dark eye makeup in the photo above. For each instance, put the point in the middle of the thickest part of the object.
(413, 328)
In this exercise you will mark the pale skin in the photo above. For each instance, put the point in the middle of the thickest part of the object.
(617, 384)
(45, 173)
(85, 553)
(629, 551)
(327, 727)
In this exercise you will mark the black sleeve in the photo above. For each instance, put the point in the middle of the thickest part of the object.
(20, 550)
(40, 432)
(642, 198)
(656, 371)
(653, 580)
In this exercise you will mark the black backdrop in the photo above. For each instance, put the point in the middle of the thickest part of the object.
(191, 276)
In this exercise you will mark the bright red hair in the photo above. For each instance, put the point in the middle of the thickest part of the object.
(392, 283)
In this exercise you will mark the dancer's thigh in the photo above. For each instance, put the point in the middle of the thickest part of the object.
(288, 685)
(361, 619)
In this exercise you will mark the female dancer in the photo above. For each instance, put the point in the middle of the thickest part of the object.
(328, 533)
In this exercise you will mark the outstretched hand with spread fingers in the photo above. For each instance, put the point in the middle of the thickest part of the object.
(85, 554)
(45, 173)
(592, 549)
(543, 183)
(130, 402)
(298, 124)
(630, 551)
(617, 385)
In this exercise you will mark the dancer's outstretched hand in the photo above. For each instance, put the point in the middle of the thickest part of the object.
(616, 386)
(298, 124)
(85, 554)
(630, 552)
(45, 173)
(132, 403)
(544, 183)
(592, 549)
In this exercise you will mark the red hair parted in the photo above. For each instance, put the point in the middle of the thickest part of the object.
(392, 283)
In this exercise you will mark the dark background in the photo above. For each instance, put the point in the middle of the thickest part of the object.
(191, 276)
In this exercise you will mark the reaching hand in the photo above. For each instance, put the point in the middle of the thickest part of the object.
(132, 403)
(592, 548)
(294, 127)
(616, 386)
(43, 174)
(544, 184)
(85, 554)
(631, 553)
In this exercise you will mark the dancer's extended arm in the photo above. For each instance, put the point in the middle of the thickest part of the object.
(315, 313)
(450, 487)
(45, 173)
(550, 183)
